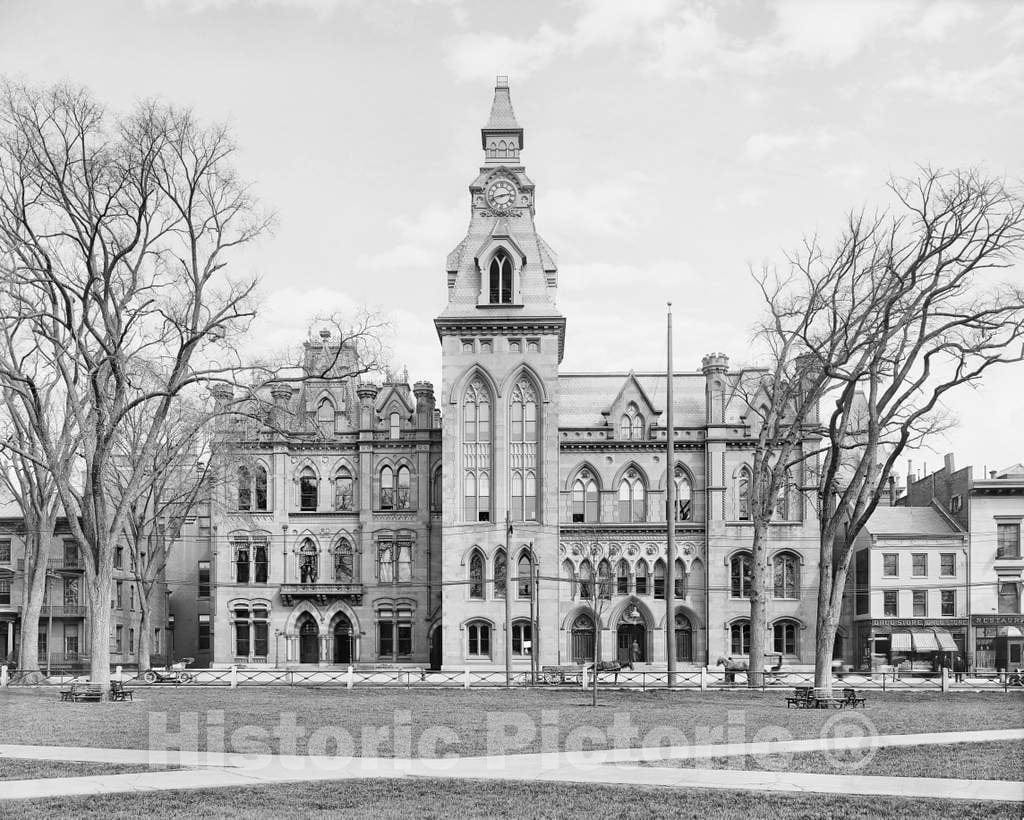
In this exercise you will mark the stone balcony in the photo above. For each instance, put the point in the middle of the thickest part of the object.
(322, 592)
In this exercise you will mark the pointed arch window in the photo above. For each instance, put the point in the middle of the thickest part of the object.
(584, 499)
(659, 579)
(260, 496)
(786, 570)
(436, 490)
(476, 576)
(343, 563)
(403, 498)
(308, 562)
(583, 639)
(395, 426)
(783, 500)
(344, 490)
(500, 571)
(632, 498)
(684, 495)
(523, 455)
(631, 425)
(476, 452)
(642, 578)
(622, 577)
(680, 579)
(325, 416)
(569, 574)
(604, 579)
(500, 278)
(244, 489)
(743, 495)
(309, 486)
(387, 488)
(586, 580)
(740, 575)
(524, 575)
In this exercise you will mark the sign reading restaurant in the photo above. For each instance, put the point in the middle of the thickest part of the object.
(882, 623)
(997, 620)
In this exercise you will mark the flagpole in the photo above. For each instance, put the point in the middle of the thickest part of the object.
(670, 517)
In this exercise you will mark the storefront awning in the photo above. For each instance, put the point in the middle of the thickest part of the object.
(1010, 632)
(945, 641)
(900, 642)
(925, 642)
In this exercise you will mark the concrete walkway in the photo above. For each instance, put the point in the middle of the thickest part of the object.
(613, 766)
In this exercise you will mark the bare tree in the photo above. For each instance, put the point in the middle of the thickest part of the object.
(918, 308)
(117, 233)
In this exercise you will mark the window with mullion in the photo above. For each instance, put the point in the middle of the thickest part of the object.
(476, 410)
(1008, 541)
(523, 452)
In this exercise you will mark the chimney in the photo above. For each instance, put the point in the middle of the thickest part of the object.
(281, 394)
(949, 463)
(367, 392)
(992, 473)
(424, 392)
(892, 491)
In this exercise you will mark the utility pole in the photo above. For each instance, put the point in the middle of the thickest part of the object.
(533, 616)
(508, 599)
(670, 519)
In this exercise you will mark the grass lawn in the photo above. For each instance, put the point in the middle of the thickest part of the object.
(15, 769)
(427, 798)
(371, 716)
(968, 761)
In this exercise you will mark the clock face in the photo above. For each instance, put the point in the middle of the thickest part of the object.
(501, 195)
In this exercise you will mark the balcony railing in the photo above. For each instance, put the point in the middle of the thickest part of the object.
(321, 591)
(63, 611)
(57, 564)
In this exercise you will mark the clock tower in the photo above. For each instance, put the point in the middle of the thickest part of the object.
(502, 339)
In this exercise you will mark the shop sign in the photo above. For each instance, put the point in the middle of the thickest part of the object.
(997, 620)
(910, 623)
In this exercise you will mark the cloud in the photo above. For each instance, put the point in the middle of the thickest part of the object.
(762, 146)
(423, 239)
(938, 20)
(997, 82)
(611, 207)
(321, 8)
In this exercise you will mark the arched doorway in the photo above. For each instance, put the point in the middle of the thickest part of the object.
(342, 634)
(631, 639)
(582, 643)
(309, 641)
(684, 638)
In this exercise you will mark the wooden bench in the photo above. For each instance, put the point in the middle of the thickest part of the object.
(852, 699)
(801, 698)
(118, 691)
(558, 674)
(82, 691)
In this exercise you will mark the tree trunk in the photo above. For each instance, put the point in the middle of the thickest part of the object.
(35, 592)
(145, 638)
(758, 605)
(99, 585)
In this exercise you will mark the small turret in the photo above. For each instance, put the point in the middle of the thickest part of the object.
(281, 393)
(502, 138)
(714, 367)
(424, 392)
(367, 392)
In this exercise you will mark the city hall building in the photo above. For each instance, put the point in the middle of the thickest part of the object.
(366, 524)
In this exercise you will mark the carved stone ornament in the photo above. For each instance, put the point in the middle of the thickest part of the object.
(632, 550)
(595, 550)
(561, 549)
(614, 550)
(687, 554)
(652, 549)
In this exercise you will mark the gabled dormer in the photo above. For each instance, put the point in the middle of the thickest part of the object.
(632, 413)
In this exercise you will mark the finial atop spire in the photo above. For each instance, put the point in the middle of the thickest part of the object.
(502, 138)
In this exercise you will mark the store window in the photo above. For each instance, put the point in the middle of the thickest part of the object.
(890, 608)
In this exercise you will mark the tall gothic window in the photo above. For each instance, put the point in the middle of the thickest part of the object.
(684, 495)
(308, 490)
(523, 452)
(500, 277)
(632, 506)
(787, 575)
(476, 452)
(743, 495)
(325, 416)
(500, 572)
(343, 490)
(584, 498)
(387, 488)
(343, 564)
(260, 496)
(403, 500)
(476, 575)
(309, 565)
(244, 489)
(395, 426)
(524, 575)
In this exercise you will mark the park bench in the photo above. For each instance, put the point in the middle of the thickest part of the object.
(852, 699)
(118, 691)
(82, 691)
(801, 698)
(559, 674)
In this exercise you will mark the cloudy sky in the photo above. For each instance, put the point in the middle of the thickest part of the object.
(674, 144)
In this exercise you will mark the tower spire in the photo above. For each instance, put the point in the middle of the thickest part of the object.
(502, 137)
